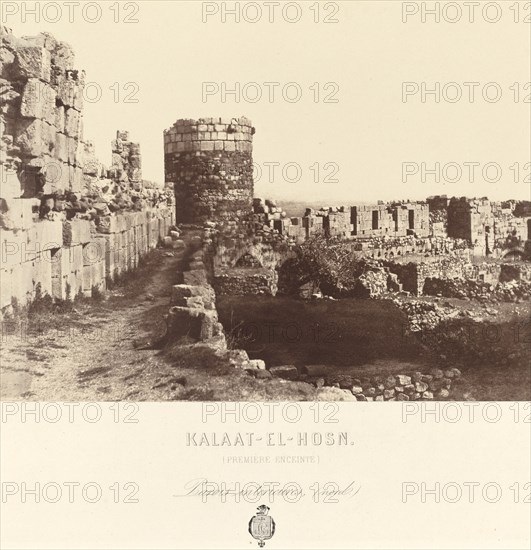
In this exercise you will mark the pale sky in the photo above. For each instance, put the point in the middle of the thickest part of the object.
(366, 56)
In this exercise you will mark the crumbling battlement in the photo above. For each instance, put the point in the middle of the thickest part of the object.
(43, 151)
(67, 223)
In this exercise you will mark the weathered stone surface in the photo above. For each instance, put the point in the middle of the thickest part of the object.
(181, 292)
(38, 101)
(35, 137)
(329, 393)
(403, 380)
(192, 323)
(33, 62)
(289, 372)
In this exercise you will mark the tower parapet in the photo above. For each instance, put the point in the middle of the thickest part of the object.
(209, 161)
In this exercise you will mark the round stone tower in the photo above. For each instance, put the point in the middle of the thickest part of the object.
(210, 163)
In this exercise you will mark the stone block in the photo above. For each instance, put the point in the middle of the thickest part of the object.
(38, 101)
(20, 212)
(98, 275)
(72, 146)
(70, 94)
(35, 137)
(33, 62)
(7, 58)
(46, 234)
(94, 251)
(77, 184)
(61, 147)
(207, 145)
(22, 282)
(11, 245)
(76, 232)
(87, 281)
(112, 224)
(42, 274)
(72, 123)
(181, 293)
(59, 122)
(62, 181)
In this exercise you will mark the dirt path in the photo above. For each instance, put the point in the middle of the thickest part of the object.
(89, 353)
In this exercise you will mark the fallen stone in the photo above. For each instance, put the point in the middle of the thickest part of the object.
(257, 364)
(403, 380)
(330, 393)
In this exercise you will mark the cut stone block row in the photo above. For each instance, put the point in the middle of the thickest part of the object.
(215, 132)
(187, 146)
(37, 256)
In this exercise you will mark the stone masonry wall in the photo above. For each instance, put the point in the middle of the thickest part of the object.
(63, 259)
(209, 162)
(42, 119)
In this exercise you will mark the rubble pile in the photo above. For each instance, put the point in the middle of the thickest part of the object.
(508, 291)
(423, 315)
(400, 387)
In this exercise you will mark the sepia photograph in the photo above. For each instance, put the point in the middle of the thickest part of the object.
(312, 204)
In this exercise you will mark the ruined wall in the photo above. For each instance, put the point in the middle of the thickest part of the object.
(492, 228)
(67, 223)
(472, 219)
(393, 219)
(209, 161)
(242, 281)
(64, 259)
(42, 112)
(512, 226)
